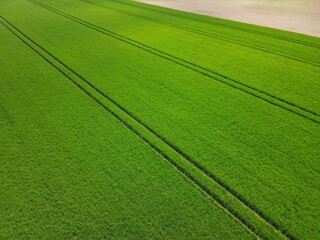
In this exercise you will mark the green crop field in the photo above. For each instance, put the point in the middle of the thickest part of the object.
(123, 120)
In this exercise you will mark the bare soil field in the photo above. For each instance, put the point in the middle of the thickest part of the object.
(301, 16)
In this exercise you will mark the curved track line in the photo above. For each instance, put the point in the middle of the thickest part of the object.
(181, 170)
(222, 24)
(172, 146)
(260, 94)
(202, 33)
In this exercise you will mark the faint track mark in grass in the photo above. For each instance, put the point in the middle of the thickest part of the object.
(206, 34)
(186, 157)
(223, 25)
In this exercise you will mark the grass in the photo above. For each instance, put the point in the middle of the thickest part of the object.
(102, 98)
(71, 169)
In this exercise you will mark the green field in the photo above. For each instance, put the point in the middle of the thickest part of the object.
(122, 120)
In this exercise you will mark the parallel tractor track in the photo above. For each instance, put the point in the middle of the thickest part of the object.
(257, 93)
(206, 34)
(223, 25)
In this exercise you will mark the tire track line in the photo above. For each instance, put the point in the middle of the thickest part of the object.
(260, 94)
(168, 143)
(202, 33)
(233, 214)
(220, 24)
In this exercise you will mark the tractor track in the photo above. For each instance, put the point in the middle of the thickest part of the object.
(222, 25)
(260, 94)
(206, 34)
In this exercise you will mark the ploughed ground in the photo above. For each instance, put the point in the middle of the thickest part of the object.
(301, 16)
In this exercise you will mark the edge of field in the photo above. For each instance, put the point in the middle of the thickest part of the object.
(228, 22)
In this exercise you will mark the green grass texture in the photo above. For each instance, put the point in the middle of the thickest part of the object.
(123, 120)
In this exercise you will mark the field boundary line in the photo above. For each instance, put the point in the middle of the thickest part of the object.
(186, 157)
(206, 34)
(260, 94)
(216, 23)
(233, 214)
